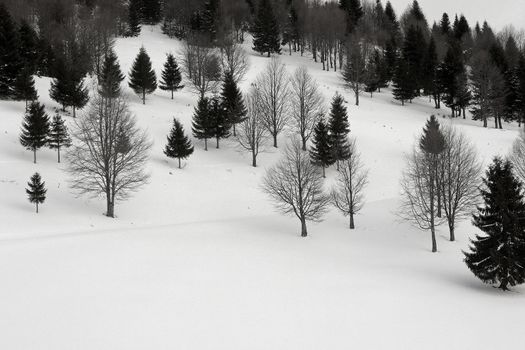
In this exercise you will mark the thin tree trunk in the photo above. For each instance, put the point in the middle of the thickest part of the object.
(143, 96)
(205, 144)
(58, 149)
(352, 226)
(172, 94)
(434, 243)
(254, 159)
(34, 156)
(275, 140)
(179, 163)
(218, 142)
(37, 207)
(110, 212)
(304, 232)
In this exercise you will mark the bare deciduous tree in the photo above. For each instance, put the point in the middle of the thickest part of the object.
(273, 85)
(296, 186)
(347, 194)
(202, 67)
(358, 53)
(253, 134)
(307, 103)
(234, 59)
(517, 156)
(109, 152)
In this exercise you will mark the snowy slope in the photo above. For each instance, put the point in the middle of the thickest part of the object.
(199, 259)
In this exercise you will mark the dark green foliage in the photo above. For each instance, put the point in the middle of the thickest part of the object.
(432, 141)
(219, 121)
(404, 83)
(265, 30)
(151, 11)
(79, 95)
(24, 88)
(36, 190)
(232, 101)
(354, 12)
(414, 51)
(28, 47)
(339, 128)
(430, 67)
(171, 77)
(10, 64)
(179, 146)
(202, 125)
(35, 128)
(449, 72)
(110, 76)
(67, 87)
(321, 152)
(498, 256)
(391, 57)
(142, 78)
(58, 135)
(445, 24)
(134, 17)
(209, 23)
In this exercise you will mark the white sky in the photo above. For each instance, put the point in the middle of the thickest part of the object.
(498, 13)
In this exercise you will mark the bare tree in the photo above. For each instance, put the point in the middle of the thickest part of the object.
(296, 186)
(202, 67)
(234, 59)
(347, 194)
(307, 103)
(358, 52)
(459, 177)
(517, 156)
(109, 152)
(253, 134)
(273, 85)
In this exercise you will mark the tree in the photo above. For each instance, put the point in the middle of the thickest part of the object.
(273, 84)
(321, 152)
(142, 78)
(202, 125)
(171, 76)
(58, 135)
(430, 67)
(24, 88)
(347, 194)
(354, 72)
(134, 17)
(307, 103)
(110, 76)
(354, 12)
(220, 124)
(202, 67)
(37, 190)
(339, 128)
(296, 186)
(179, 146)
(28, 49)
(451, 68)
(234, 59)
(404, 86)
(110, 152)
(232, 101)
(151, 11)
(498, 256)
(252, 132)
(79, 95)
(9, 58)
(266, 30)
(35, 128)
(67, 87)
(517, 156)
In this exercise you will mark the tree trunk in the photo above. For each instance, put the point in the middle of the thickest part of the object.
(275, 140)
(179, 163)
(254, 159)
(304, 143)
(110, 212)
(205, 144)
(218, 138)
(34, 156)
(234, 133)
(324, 171)
(357, 98)
(352, 226)
(172, 94)
(304, 232)
(37, 207)
(451, 229)
(503, 285)
(74, 112)
(58, 150)
(143, 96)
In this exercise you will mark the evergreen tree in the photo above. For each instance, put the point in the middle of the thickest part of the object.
(9, 58)
(37, 190)
(266, 30)
(430, 67)
(210, 19)
(24, 88)
(339, 128)
(321, 152)
(179, 146)
(354, 12)
(28, 47)
(451, 68)
(202, 125)
(142, 78)
(110, 76)
(414, 51)
(79, 94)
(219, 121)
(445, 24)
(134, 17)
(391, 57)
(58, 135)
(171, 77)
(232, 101)
(61, 83)
(404, 84)
(151, 11)
(499, 255)
(35, 128)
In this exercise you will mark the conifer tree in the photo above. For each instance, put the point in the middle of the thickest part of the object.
(321, 152)
(430, 67)
(35, 128)
(110, 77)
(391, 57)
(28, 49)
(232, 101)
(151, 11)
(58, 135)
(79, 95)
(404, 86)
(202, 126)
(9, 58)
(339, 128)
(266, 30)
(24, 88)
(219, 121)
(451, 68)
(354, 12)
(371, 78)
(37, 190)
(413, 52)
(60, 85)
(134, 17)
(498, 256)
(171, 77)
(142, 78)
(179, 146)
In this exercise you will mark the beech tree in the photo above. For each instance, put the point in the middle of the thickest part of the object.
(35, 128)
(36, 190)
(202, 67)
(252, 131)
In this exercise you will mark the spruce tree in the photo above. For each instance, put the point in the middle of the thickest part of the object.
(28, 47)
(24, 88)
(354, 12)
(266, 30)
(110, 76)
(35, 128)
(404, 86)
(151, 11)
(219, 121)
(142, 78)
(58, 135)
(414, 51)
(202, 127)
(79, 94)
(134, 17)
(321, 152)
(36, 190)
(232, 101)
(9, 59)
(171, 77)
(451, 68)
(430, 67)
(339, 128)
(179, 146)
(61, 84)
(498, 256)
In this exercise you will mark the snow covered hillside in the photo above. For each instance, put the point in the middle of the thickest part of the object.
(199, 259)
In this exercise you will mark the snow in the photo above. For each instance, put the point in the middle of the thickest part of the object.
(199, 259)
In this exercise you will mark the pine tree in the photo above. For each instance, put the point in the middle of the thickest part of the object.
(24, 88)
(210, 19)
(35, 128)
(28, 47)
(391, 57)
(404, 86)
(171, 77)
(266, 30)
(142, 78)
(202, 127)
(61, 83)
(79, 95)
(451, 68)
(354, 12)
(432, 141)
(372, 71)
(499, 255)
(414, 51)
(430, 67)
(339, 128)
(9, 59)
(134, 17)
(58, 135)
(110, 76)
(179, 146)
(232, 101)
(37, 190)
(219, 121)
(321, 152)
(151, 11)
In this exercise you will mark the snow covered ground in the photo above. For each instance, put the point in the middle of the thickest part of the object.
(199, 259)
